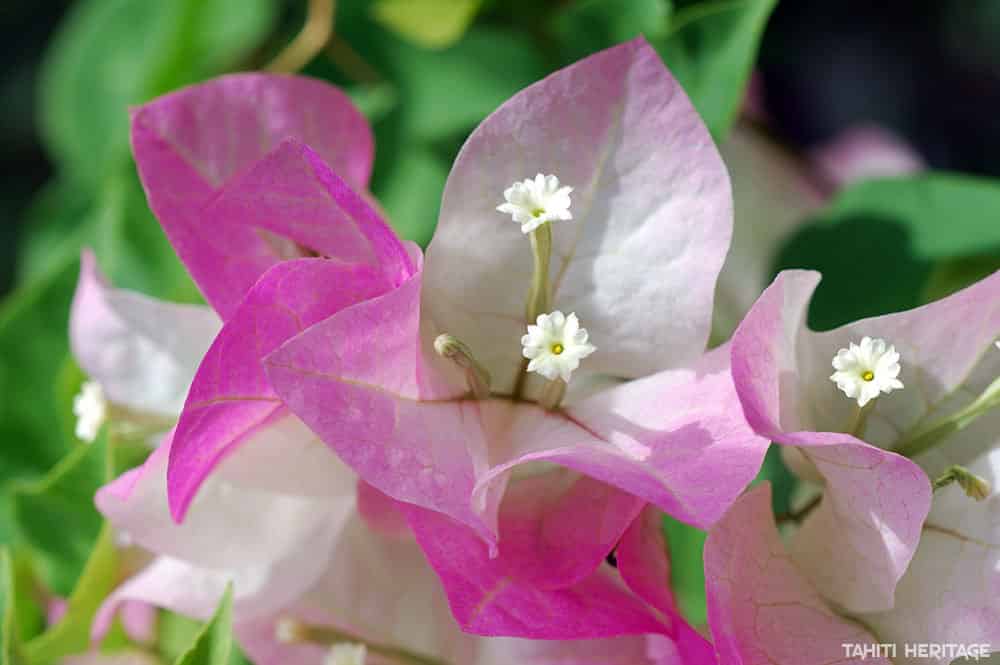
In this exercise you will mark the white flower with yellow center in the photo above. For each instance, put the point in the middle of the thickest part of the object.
(90, 408)
(346, 653)
(556, 345)
(532, 203)
(867, 369)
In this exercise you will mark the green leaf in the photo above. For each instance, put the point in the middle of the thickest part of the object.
(109, 54)
(56, 518)
(952, 275)
(687, 573)
(711, 47)
(72, 633)
(853, 254)
(7, 595)
(931, 231)
(449, 92)
(430, 24)
(214, 643)
(582, 28)
(945, 215)
(174, 634)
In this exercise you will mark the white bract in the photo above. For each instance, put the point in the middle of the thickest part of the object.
(346, 654)
(867, 369)
(90, 408)
(532, 203)
(556, 345)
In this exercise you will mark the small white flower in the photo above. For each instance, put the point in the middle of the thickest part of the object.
(867, 369)
(532, 203)
(556, 345)
(346, 653)
(90, 408)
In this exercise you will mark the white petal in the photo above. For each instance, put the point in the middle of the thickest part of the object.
(949, 593)
(143, 352)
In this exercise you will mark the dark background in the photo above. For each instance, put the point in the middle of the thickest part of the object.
(929, 70)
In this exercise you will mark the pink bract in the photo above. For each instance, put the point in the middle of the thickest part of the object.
(189, 144)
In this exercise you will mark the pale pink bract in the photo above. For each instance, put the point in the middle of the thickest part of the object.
(878, 547)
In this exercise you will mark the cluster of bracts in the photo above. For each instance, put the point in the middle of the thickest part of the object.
(400, 457)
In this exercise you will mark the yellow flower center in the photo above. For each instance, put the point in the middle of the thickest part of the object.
(868, 376)
(537, 212)
(557, 348)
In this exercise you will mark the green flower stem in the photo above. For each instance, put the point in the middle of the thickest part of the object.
(539, 298)
(540, 295)
(860, 423)
(552, 394)
(974, 487)
(922, 438)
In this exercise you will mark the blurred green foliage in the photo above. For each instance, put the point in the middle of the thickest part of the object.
(7, 596)
(72, 633)
(709, 45)
(427, 23)
(38, 313)
(891, 244)
(111, 54)
(424, 72)
(55, 517)
(107, 55)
